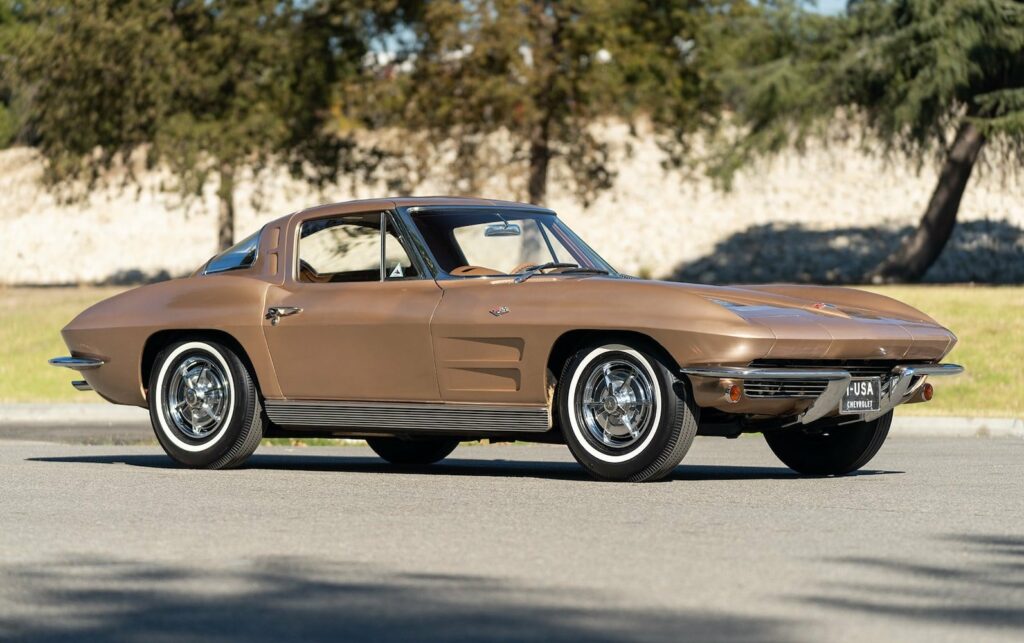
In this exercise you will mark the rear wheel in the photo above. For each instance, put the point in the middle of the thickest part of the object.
(833, 451)
(413, 451)
(624, 415)
(204, 405)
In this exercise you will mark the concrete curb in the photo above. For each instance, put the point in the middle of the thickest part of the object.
(957, 427)
(114, 415)
(92, 414)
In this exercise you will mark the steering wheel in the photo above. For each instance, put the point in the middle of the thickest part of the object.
(521, 268)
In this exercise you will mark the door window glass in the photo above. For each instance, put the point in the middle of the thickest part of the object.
(340, 249)
(348, 248)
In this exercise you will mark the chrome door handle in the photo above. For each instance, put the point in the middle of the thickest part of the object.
(275, 313)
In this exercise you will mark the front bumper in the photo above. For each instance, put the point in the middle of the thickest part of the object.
(829, 385)
(76, 363)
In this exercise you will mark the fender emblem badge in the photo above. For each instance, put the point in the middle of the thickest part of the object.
(498, 312)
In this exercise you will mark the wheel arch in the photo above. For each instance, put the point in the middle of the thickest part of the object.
(161, 339)
(571, 341)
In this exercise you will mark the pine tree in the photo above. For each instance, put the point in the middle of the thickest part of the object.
(929, 80)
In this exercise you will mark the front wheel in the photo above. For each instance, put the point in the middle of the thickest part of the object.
(623, 414)
(413, 451)
(830, 452)
(204, 405)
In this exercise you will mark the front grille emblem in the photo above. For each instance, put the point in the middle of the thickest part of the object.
(498, 312)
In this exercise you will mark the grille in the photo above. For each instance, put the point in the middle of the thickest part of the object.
(767, 388)
(783, 388)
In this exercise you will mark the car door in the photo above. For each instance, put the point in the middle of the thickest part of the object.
(352, 319)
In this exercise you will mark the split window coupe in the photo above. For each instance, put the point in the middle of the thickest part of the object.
(417, 323)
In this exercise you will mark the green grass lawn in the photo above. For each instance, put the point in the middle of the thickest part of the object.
(30, 323)
(988, 320)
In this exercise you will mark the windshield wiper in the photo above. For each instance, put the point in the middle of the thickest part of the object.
(572, 268)
(534, 270)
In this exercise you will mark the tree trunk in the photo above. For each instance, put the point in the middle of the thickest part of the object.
(226, 211)
(540, 158)
(923, 247)
(547, 23)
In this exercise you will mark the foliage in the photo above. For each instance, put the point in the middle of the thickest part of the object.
(924, 80)
(204, 87)
(903, 74)
(14, 28)
(511, 86)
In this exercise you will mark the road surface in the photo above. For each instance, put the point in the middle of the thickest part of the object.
(511, 542)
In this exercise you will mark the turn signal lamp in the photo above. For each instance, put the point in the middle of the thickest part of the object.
(735, 393)
(927, 392)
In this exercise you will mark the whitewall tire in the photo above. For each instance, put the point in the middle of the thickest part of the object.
(623, 413)
(204, 405)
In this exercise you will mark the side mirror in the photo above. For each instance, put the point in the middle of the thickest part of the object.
(503, 230)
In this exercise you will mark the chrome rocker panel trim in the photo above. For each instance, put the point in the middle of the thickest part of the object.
(77, 363)
(408, 416)
(899, 391)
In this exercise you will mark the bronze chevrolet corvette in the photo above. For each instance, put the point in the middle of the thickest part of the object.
(419, 322)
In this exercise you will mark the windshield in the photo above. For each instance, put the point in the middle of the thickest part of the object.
(241, 255)
(483, 242)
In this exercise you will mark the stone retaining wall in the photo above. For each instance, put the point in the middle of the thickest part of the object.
(826, 216)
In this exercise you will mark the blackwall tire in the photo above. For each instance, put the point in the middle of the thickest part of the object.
(197, 426)
(413, 451)
(833, 452)
(624, 415)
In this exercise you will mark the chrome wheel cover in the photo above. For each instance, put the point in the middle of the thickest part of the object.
(197, 397)
(617, 407)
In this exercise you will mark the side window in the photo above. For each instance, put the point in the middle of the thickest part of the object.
(340, 249)
(348, 248)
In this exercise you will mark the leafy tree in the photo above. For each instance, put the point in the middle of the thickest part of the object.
(14, 28)
(930, 80)
(206, 88)
(512, 84)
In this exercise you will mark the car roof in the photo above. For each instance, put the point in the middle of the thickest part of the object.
(363, 205)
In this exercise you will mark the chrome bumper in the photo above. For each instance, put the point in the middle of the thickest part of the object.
(901, 384)
(76, 363)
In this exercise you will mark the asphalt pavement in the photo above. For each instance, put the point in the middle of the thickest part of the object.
(511, 542)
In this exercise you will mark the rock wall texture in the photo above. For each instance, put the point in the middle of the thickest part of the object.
(825, 216)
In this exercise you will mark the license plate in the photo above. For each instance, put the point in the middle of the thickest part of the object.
(862, 396)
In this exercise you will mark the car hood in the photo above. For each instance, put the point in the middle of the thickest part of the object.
(828, 322)
(775, 300)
